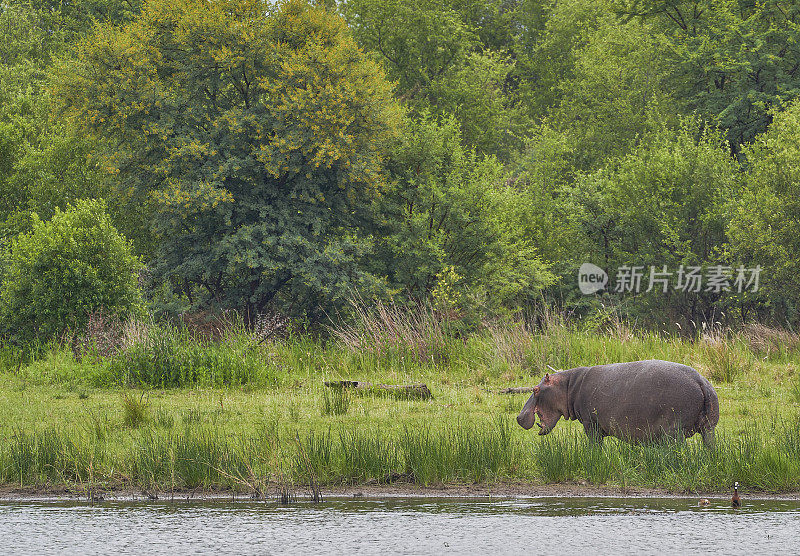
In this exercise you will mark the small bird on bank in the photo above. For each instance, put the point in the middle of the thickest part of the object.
(704, 502)
(735, 500)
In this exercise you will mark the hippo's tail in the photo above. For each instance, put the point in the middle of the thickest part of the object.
(710, 415)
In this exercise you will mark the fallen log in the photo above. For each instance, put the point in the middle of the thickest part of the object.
(346, 384)
(417, 391)
(519, 390)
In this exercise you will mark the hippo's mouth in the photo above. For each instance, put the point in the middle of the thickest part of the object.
(538, 421)
(542, 430)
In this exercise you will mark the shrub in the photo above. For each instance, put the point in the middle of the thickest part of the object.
(64, 269)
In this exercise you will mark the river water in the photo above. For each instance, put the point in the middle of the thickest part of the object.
(402, 526)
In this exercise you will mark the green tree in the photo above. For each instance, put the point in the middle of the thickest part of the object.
(249, 138)
(665, 203)
(435, 52)
(765, 227)
(617, 92)
(44, 162)
(732, 60)
(600, 83)
(449, 216)
(62, 270)
(546, 211)
(550, 34)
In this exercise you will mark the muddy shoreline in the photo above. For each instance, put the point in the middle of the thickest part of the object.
(13, 493)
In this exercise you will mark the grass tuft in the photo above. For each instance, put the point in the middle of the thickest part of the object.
(723, 358)
(335, 401)
(134, 410)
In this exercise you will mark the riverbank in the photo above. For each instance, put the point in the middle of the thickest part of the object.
(68, 424)
(376, 492)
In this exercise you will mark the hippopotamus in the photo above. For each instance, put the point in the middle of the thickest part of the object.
(639, 401)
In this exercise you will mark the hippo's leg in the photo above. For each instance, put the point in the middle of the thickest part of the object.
(708, 437)
(594, 432)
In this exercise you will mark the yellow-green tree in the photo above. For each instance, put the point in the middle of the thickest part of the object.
(247, 137)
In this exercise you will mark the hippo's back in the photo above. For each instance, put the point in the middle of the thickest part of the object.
(645, 399)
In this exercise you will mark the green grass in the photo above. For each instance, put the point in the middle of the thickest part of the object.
(335, 401)
(171, 357)
(239, 414)
(134, 409)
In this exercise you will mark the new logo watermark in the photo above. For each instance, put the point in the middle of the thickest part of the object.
(632, 279)
(591, 278)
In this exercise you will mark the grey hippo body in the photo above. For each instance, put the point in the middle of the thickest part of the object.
(637, 402)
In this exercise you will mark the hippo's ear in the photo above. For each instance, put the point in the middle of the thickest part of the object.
(547, 378)
(536, 390)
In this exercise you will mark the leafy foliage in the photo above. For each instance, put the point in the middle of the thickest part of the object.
(252, 136)
(44, 163)
(450, 211)
(733, 61)
(64, 269)
(765, 228)
(448, 59)
(663, 204)
(459, 154)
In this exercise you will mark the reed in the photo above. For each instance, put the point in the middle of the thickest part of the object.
(335, 401)
(170, 356)
(390, 331)
(477, 452)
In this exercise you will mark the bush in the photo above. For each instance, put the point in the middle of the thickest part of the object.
(64, 269)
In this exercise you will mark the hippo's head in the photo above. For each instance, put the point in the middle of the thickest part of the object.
(548, 401)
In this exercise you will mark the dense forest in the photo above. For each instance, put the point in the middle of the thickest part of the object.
(177, 156)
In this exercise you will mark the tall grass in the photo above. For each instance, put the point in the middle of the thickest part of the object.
(757, 459)
(474, 453)
(383, 339)
(794, 389)
(464, 435)
(50, 456)
(170, 356)
(335, 401)
(462, 452)
(134, 409)
(392, 331)
(772, 343)
(725, 358)
(206, 457)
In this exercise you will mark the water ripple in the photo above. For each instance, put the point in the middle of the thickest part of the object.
(403, 526)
